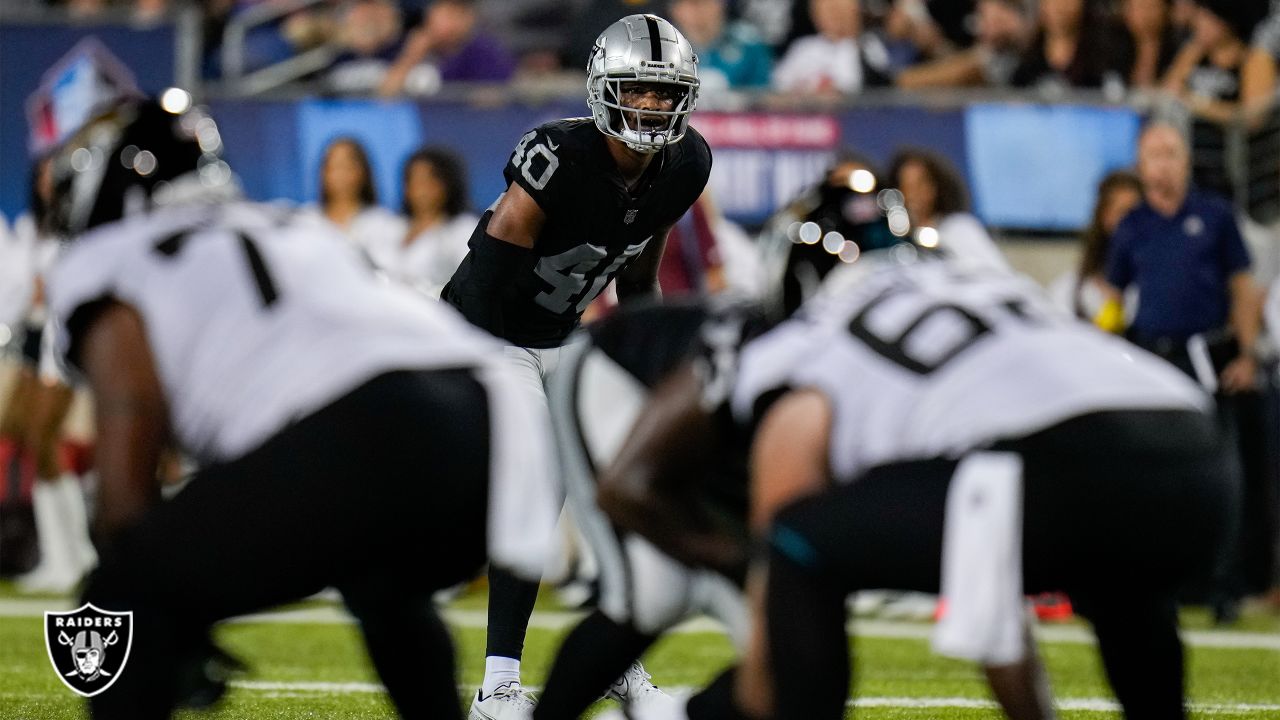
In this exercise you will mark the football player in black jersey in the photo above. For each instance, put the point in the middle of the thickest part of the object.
(588, 201)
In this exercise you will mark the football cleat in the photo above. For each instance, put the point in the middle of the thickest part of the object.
(634, 688)
(508, 702)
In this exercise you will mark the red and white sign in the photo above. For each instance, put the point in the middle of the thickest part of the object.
(763, 131)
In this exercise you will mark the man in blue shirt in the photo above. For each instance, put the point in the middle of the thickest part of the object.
(1183, 251)
(1198, 307)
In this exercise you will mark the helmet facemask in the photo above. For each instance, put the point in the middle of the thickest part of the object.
(645, 130)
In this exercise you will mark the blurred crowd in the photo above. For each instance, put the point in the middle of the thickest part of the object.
(793, 47)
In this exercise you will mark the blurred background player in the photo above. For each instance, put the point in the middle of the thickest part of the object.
(587, 202)
(31, 425)
(198, 317)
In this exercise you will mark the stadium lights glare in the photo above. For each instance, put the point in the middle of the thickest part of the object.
(175, 100)
(850, 251)
(863, 181)
(832, 242)
(928, 237)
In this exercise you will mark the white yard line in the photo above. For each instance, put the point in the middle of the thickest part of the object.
(561, 620)
(273, 689)
(286, 689)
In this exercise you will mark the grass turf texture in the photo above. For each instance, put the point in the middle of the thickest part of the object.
(885, 668)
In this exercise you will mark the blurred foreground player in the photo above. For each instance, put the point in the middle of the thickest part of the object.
(655, 371)
(596, 405)
(588, 201)
(272, 355)
(929, 428)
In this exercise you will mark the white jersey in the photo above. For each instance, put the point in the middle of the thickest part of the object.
(254, 320)
(931, 360)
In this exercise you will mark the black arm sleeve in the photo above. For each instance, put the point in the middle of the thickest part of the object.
(487, 278)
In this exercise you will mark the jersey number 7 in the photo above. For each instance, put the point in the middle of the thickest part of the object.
(267, 292)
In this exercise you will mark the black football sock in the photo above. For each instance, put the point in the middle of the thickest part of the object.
(591, 658)
(808, 648)
(715, 702)
(511, 602)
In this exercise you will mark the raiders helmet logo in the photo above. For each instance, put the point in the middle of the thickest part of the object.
(88, 647)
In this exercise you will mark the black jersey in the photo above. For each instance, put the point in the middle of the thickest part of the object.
(594, 224)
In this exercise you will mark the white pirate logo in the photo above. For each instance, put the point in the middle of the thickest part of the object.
(88, 647)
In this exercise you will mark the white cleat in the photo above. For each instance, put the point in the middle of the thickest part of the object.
(635, 690)
(508, 702)
(660, 706)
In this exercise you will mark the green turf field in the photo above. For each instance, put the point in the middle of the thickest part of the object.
(314, 667)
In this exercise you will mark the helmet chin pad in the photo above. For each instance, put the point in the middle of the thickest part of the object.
(646, 143)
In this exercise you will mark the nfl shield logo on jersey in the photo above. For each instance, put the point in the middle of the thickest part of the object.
(88, 647)
(630, 217)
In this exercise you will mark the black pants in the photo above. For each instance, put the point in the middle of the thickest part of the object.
(1119, 510)
(1248, 558)
(382, 494)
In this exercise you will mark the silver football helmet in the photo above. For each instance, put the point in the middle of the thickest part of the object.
(645, 49)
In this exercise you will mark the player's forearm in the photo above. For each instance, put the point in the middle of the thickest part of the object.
(128, 451)
(667, 523)
(130, 412)
(631, 292)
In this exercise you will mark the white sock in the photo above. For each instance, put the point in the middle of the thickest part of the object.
(72, 500)
(499, 671)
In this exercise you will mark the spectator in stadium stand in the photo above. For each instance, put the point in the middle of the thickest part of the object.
(1223, 80)
(439, 223)
(935, 27)
(451, 42)
(1003, 33)
(935, 198)
(1182, 250)
(1152, 41)
(731, 55)
(534, 30)
(1082, 292)
(841, 58)
(349, 197)
(1073, 47)
(908, 24)
(369, 33)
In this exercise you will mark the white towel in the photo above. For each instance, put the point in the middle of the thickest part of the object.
(524, 495)
(982, 562)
